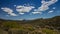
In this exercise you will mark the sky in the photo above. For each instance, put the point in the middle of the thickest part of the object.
(29, 9)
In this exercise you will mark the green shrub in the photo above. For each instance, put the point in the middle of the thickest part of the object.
(48, 31)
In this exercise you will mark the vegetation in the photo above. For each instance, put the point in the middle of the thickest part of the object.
(38, 26)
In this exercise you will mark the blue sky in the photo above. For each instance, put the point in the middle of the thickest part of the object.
(29, 9)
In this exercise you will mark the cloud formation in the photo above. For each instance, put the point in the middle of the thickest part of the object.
(45, 5)
(21, 13)
(36, 12)
(51, 11)
(23, 9)
(9, 11)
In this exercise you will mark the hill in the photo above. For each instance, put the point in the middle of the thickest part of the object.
(37, 26)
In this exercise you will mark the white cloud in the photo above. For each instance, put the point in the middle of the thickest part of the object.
(21, 13)
(36, 12)
(23, 9)
(51, 11)
(13, 14)
(45, 5)
(9, 11)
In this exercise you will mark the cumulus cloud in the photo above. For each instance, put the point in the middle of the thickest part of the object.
(51, 11)
(45, 5)
(36, 12)
(23, 9)
(9, 11)
(13, 14)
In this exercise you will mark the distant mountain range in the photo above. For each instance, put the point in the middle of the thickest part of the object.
(31, 20)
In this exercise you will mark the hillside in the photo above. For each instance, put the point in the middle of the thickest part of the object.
(38, 26)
